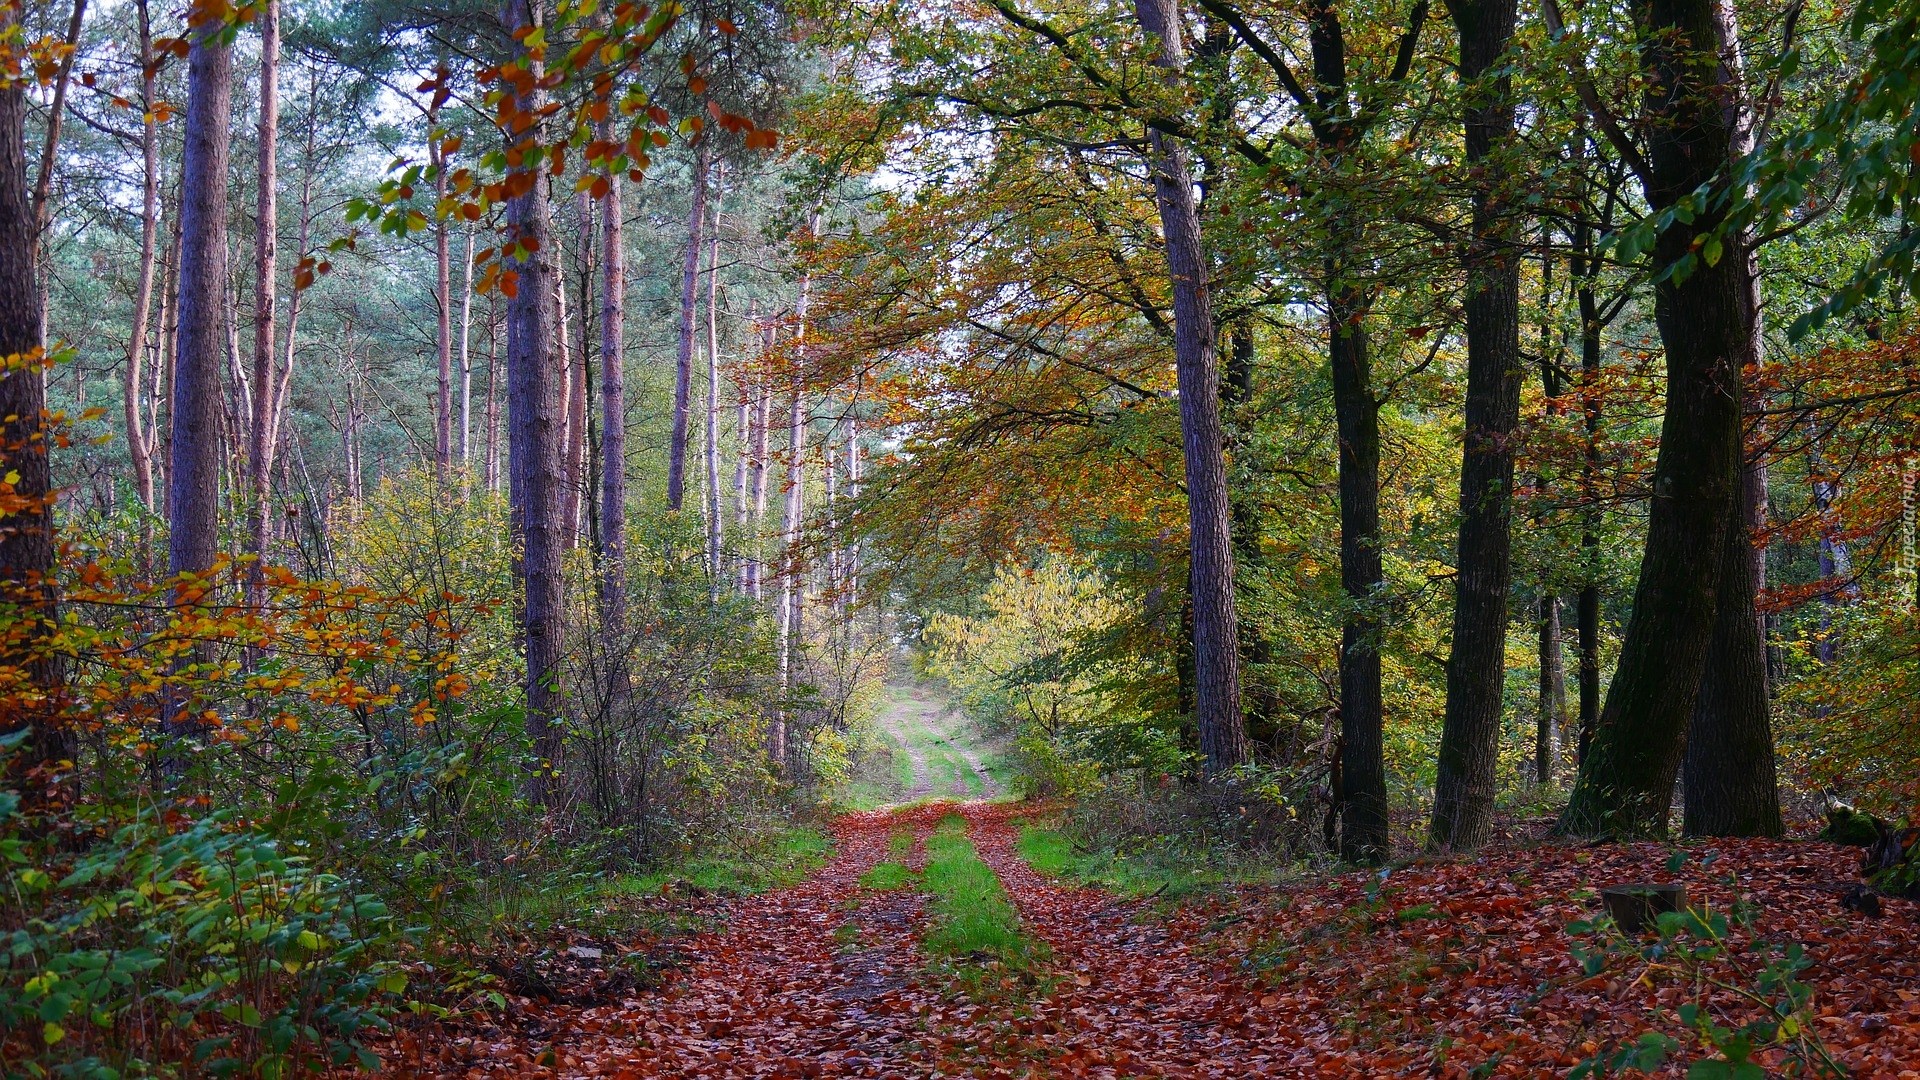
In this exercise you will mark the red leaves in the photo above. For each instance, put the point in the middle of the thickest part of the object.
(1461, 964)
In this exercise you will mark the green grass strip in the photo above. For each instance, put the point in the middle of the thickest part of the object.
(972, 918)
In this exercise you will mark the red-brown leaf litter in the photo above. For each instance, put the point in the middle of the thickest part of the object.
(1453, 968)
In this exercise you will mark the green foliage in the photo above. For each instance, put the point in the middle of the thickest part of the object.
(1749, 1000)
(203, 935)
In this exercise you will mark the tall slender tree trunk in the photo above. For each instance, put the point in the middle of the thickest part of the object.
(160, 419)
(613, 411)
(138, 448)
(283, 389)
(743, 451)
(534, 428)
(466, 356)
(716, 522)
(1626, 783)
(787, 622)
(193, 496)
(689, 292)
(573, 411)
(1216, 632)
(1552, 710)
(265, 250)
(50, 145)
(26, 533)
(762, 422)
(492, 459)
(443, 322)
(1476, 671)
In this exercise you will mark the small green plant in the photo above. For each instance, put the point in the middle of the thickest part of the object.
(1696, 947)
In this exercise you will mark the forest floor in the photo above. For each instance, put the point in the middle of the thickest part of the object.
(1452, 967)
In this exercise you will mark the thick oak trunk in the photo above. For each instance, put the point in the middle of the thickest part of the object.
(1216, 632)
(1728, 776)
(1476, 670)
(1626, 782)
(1362, 787)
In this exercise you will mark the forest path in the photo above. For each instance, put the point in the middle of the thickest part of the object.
(940, 743)
(827, 978)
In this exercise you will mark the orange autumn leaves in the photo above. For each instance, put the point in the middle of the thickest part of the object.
(307, 648)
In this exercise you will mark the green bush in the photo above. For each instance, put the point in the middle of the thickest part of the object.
(169, 939)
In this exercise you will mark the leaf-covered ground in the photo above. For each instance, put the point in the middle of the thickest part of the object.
(1451, 968)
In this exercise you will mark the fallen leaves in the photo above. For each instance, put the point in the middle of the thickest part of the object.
(1452, 966)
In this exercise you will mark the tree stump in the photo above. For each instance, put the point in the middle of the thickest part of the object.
(1636, 908)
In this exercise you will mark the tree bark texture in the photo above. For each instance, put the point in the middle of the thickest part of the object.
(265, 252)
(1476, 670)
(139, 446)
(689, 298)
(26, 534)
(1216, 633)
(443, 326)
(1626, 783)
(1728, 775)
(194, 477)
(613, 411)
(1363, 776)
(534, 430)
(1551, 716)
(716, 522)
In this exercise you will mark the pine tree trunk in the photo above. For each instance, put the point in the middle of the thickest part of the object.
(492, 461)
(743, 449)
(193, 495)
(716, 524)
(762, 422)
(265, 251)
(466, 357)
(683, 371)
(534, 429)
(1216, 631)
(1476, 671)
(613, 424)
(1626, 783)
(26, 533)
(787, 617)
(443, 325)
